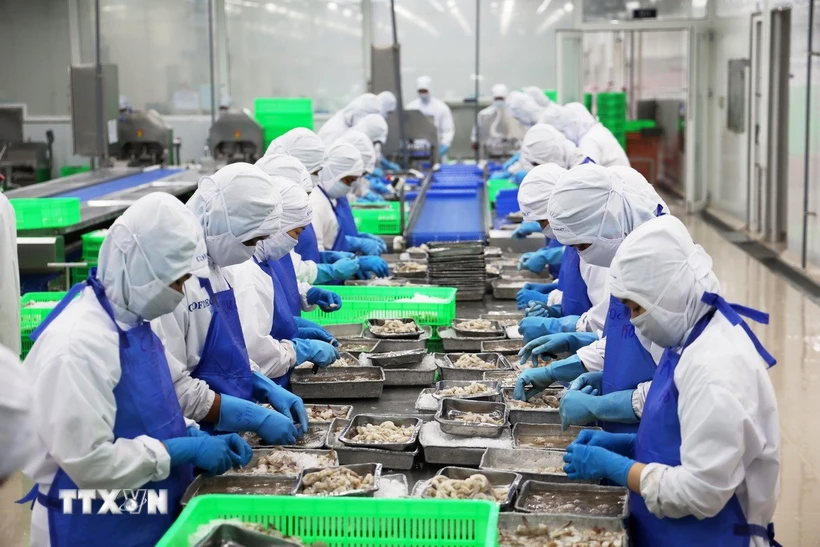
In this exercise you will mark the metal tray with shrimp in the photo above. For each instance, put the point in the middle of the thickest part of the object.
(338, 383)
(361, 469)
(390, 459)
(449, 409)
(545, 436)
(466, 332)
(371, 419)
(451, 372)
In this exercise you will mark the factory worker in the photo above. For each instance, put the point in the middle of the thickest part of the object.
(703, 467)
(106, 415)
(332, 216)
(347, 117)
(593, 209)
(593, 139)
(16, 438)
(237, 207)
(440, 112)
(361, 188)
(526, 111)
(388, 102)
(304, 145)
(487, 115)
(544, 144)
(544, 102)
(9, 278)
(375, 127)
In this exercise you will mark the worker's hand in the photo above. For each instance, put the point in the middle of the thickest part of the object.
(537, 261)
(442, 151)
(525, 297)
(330, 257)
(585, 462)
(380, 187)
(620, 443)
(509, 163)
(371, 197)
(536, 327)
(313, 331)
(211, 454)
(378, 172)
(526, 228)
(533, 381)
(239, 415)
(328, 301)
(344, 268)
(553, 344)
(583, 407)
(518, 177)
(372, 264)
(593, 379)
(543, 288)
(541, 309)
(499, 175)
(363, 245)
(239, 446)
(377, 239)
(285, 402)
(317, 352)
(193, 431)
(389, 165)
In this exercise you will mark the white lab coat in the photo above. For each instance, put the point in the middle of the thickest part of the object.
(334, 128)
(729, 429)
(16, 439)
(306, 270)
(324, 220)
(9, 278)
(442, 117)
(601, 146)
(75, 367)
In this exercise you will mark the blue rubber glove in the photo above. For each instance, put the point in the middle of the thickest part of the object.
(377, 172)
(620, 443)
(192, 431)
(239, 446)
(317, 352)
(540, 259)
(286, 403)
(380, 187)
(313, 331)
(208, 453)
(363, 245)
(327, 301)
(509, 163)
(525, 229)
(536, 327)
(541, 378)
(499, 175)
(371, 197)
(377, 239)
(585, 462)
(338, 271)
(372, 265)
(330, 257)
(543, 288)
(389, 165)
(593, 379)
(525, 296)
(553, 344)
(442, 150)
(238, 415)
(540, 309)
(578, 408)
(518, 177)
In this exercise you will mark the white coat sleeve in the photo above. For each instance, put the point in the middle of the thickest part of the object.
(253, 289)
(79, 387)
(597, 281)
(303, 289)
(195, 397)
(306, 270)
(639, 397)
(592, 356)
(555, 297)
(324, 221)
(447, 128)
(9, 278)
(15, 418)
(591, 149)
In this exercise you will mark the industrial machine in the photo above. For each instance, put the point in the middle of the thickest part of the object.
(143, 139)
(499, 135)
(236, 136)
(22, 162)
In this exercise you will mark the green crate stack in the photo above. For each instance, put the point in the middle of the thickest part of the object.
(68, 170)
(611, 110)
(379, 221)
(34, 308)
(38, 213)
(278, 115)
(588, 101)
(92, 241)
(494, 186)
(635, 126)
(552, 94)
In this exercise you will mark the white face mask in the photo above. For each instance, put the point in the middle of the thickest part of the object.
(498, 103)
(226, 250)
(547, 231)
(424, 98)
(601, 252)
(662, 327)
(275, 247)
(162, 302)
(338, 190)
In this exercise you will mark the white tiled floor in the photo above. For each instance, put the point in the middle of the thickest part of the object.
(793, 337)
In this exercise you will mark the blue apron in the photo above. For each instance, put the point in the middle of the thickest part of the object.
(344, 215)
(146, 405)
(291, 284)
(307, 246)
(626, 362)
(555, 270)
(284, 327)
(224, 364)
(659, 441)
(575, 300)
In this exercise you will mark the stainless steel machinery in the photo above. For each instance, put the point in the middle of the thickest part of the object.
(143, 139)
(236, 136)
(22, 162)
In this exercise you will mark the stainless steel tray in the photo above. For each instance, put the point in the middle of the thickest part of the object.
(264, 485)
(394, 478)
(386, 345)
(338, 383)
(258, 453)
(497, 479)
(446, 384)
(450, 372)
(456, 427)
(347, 455)
(357, 346)
(531, 488)
(395, 336)
(512, 521)
(397, 359)
(229, 535)
(364, 419)
(522, 431)
(531, 464)
(513, 334)
(454, 343)
(361, 468)
(505, 378)
(496, 329)
(503, 347)
(422, 374)
(409, 275)
(347, 409)
(444, 449)
(309, 440)
(533, 416)
(345, 330)
(504, 318)
(505, 289)
(426, 403)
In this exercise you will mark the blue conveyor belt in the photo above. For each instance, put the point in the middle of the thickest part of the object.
(104, 188)
(449, 215)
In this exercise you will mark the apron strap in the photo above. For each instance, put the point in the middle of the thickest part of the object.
(206, 284)
(30, 497)
(58, 309)
(733, 313)
(749, 530)
(659, 211)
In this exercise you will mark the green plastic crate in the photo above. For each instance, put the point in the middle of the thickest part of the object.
(494, 186)
(36, 213)
(379, 221)
(68, 170)
(362, 303)
(36, 315)
(633, 126)
(282, 105)
(588, 101)
(278, 115)
(552, 94)
(26, 343)
(611, 97)
(360, 522)
(92, 241)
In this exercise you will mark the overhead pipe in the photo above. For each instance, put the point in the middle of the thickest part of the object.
(477, 83)
(399, 97)
(807, 152)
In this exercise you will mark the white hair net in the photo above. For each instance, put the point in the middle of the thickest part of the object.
(374, 126)
(537, 95)
(544, 144)
(661, 269)
(234, 205)
(280, 165)
(296, 209)
(536, 189)
(388, 102)
(500, 90)
(523, 108)
(364, 146)
(574, 120)
(155, 242)
(595, 205)
(424, 82)
(301, 143)
(636, 181)
(342, 160)
(551, 115)
(360, 107)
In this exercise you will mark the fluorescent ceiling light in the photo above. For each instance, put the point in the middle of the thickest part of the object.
(543, 7)
(568, 7)
(506, 15)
